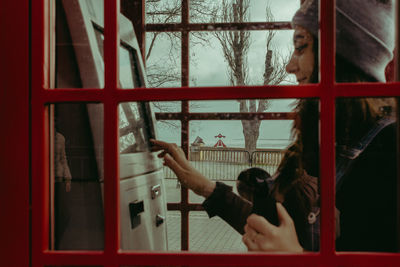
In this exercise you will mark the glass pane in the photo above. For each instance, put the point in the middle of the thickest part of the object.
(167, 106)
(174, 230)
(225, 58)
(212, 235)
(170, 131)
(129, 71)
(135, 127)
(77, 175)
(220, 151)
(264, 105)
(163, 59)
(366, 174)
(131, 67)
(142, 187)
(78, 45)
(163, 11)
(364, 50)
(253, 10)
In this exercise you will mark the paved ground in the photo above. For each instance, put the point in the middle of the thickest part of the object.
(204, 234)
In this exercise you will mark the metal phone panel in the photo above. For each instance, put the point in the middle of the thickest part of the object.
(143, 212)
(134, 164)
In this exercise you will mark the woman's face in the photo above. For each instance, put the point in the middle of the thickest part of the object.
(302, 62)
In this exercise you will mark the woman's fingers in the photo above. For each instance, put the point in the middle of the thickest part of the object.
(175, 167)
(250, 243)
(260, 224)
(283, 215)
(262, 235)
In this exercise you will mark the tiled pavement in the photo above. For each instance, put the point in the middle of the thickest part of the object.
(205, 234)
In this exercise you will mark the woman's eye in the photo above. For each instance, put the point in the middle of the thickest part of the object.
(300, 48)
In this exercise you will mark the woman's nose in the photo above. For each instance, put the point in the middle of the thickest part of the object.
(291, 67)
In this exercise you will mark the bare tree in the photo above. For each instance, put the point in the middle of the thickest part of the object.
(235, 46)
(164, 70)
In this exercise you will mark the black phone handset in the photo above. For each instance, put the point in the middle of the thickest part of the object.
(265, 205)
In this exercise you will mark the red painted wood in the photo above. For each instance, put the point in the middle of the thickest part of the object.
(111, 170)
(15, 134)
(327, 116)
(16, 148)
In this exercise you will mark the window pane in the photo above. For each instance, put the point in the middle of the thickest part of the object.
(142, 188)
(170, 131)
(163, 11)
(167, 106)
(77, 218)
(142, 206)
(252, 148)
(220, 150)
(366, 174)
(135, 127)
(225, 58)
(78, 45)
(129, 72)
(163, 59)
(270, 105)
(212, 235)
(131, 67)
(174, 230)
(254, 10)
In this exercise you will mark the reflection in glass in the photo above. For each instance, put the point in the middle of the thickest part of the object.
(366, 174)
(134, 126)
(213, 235)
(78, 61)
(222, 60)
(128, 68)
(77, 174)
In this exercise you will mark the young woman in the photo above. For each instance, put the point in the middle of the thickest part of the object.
(366, 187)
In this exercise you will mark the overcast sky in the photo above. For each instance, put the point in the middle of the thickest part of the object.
(208, 68)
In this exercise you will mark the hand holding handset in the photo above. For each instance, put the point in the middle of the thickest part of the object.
(265, 205)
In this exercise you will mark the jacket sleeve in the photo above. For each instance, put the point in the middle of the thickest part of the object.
(232, 208)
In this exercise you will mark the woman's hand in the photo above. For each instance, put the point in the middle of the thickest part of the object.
(175, 158)
(260, 235)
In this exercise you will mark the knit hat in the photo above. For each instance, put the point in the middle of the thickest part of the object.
(365, 34)
(307, 16)
(364, 31)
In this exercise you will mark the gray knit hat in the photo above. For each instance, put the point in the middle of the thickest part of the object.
(364, 31)
(307, 16)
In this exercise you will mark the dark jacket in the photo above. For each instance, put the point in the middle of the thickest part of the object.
(366, 199)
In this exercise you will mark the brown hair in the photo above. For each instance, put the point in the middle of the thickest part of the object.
(301, 159)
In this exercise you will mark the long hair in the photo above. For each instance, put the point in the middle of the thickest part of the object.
(301, 159)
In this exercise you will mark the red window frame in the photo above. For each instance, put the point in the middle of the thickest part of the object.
(15, 135)
(25, 143)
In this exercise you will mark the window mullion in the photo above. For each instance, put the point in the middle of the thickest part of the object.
(111, 170)
(327, 134)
